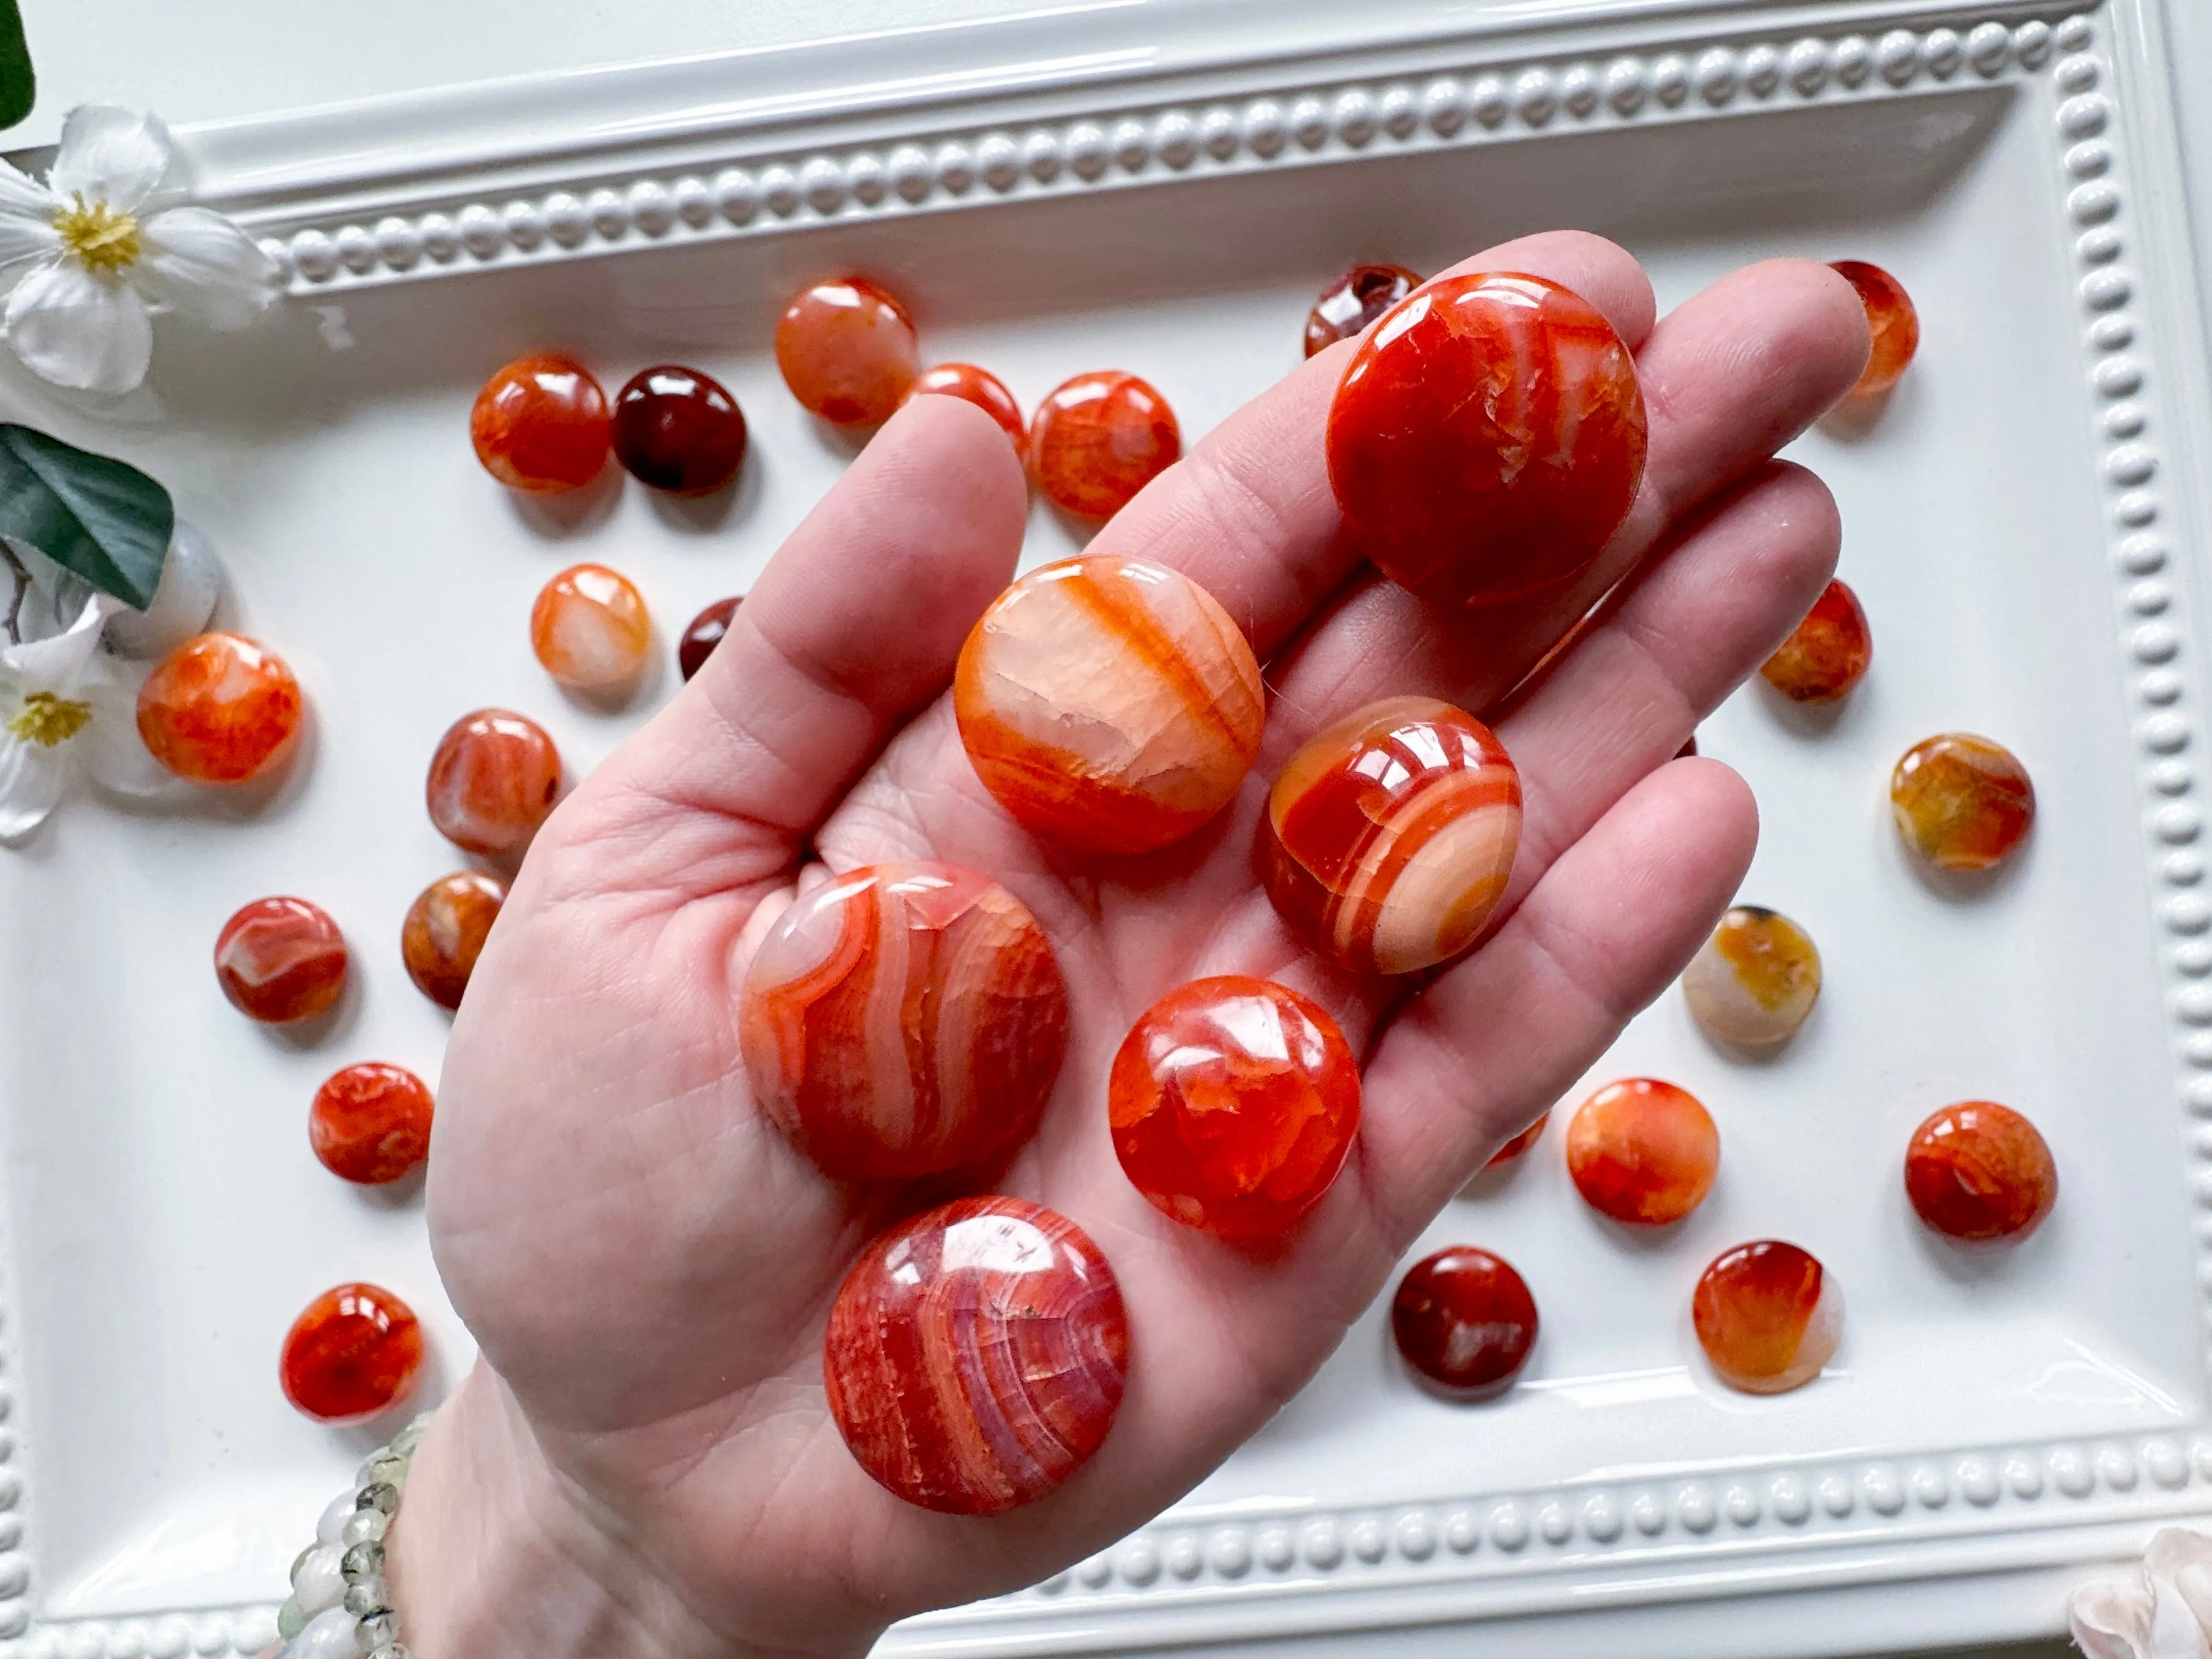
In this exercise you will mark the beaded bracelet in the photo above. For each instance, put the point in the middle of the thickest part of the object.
(340, 1606)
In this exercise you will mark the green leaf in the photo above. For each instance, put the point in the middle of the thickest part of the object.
(101, 518)
(19, 88)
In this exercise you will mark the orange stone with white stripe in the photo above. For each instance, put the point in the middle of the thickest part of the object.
(1110, 705)
(1390, 837)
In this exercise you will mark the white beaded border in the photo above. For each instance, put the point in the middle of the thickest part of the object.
(967, 167)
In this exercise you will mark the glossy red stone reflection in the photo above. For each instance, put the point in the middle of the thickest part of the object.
(492, 781)
(704, 634)
(1096, 440)
(980, 387)
(541, 424)
(1768, 1315)
(1980, 1173)
(370, 1123)
(589, 628)
(1233, 1103)
(1110, 705)
(1464, 1321)
(220, 709)
(679, 430)
(444, 933)
(1512, 1150)
(903, 1020)
(1389, 837)
(1353, 301)
(1487, 439)
(847, 352)
(1829, 652)
(1960, 801)
(355, 1351)
(280, 960)
(1891, 316)
(1643, 1152)
(975, 1355)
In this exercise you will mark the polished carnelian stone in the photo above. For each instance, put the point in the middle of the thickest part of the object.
(1389, 837)
(1233, 1104)
(704, 634)
(1755, 980)
(1096, 440)
(1464, 1320)
(1894, 323)
(1980, 1173)
(903, 1019)
(1829, 652)
(1960, 801)
(677, 430)
(1768, 1315)
(540, 424)
(1110, 705)
(1643, 1152)
(978, 387)
(590, 629)
(281, 959)
(371, 1122)
(355, 1351)
(492, 781)
(1353, 301)
(1487, 440)
(220, 709)
(1521, 1143)
(444, 933)
(847, 352)
(976, 1354)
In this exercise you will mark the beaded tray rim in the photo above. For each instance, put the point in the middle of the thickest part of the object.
(776, 165)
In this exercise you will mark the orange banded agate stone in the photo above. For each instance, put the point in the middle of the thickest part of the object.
(847, 351)
(1960, 801)
(1388, 837)
(1512, 1150)
(1487, 439)
(1110, 704)
(978, 387)
(1768, 1315)
(1754, 981)
(1098, 439)
(1233, 1104)
(1979, 1173)
(220, 709)
(1891, 316)
(976, 1354)
(541, 424)
(280, 960)
(357, 1350)
(492, 781)
(1829, 652)
(903, 1019)
(1643, 1152)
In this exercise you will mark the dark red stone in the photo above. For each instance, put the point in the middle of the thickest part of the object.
(677, 429)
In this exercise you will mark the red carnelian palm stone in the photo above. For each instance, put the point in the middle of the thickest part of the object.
(1487, 440)
(1464, 1320)
(1980, 1173)
(847, 352)
(371, 1122)
(1894, 323)
(492, 781)
(281, 959)
(1389, 835)
(1353, 301)
(1110, 705)
(975, 1355)
(903, 1019)
(677, 430)
(355, 1351)
(1233, 1104)
(1768, 1315)
(1643, 1152)
(220, 709)
(1829, 652)
(540, 424)
(1096, 440)
(978, 387)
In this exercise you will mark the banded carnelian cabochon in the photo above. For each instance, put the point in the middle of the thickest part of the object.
(220, 709)
(354, 1351)
(280, 960)
(1980, 1173)
(1109, 704)
(1390, 837)
(492, 781)
(903, 1019)
(1768, 1315)
(976, 1354)
(1488, 439)
(1828, 654)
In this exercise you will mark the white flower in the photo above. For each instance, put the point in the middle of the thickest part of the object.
(91, 260)
(2160, 1610)
(64, 706)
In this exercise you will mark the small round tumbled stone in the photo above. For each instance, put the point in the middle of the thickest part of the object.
(1096, 440)
(492, 781)
(677, 430)
(1464, 1321)
(1643, 1152)
(370, 1123)
(847, 352)
(704, 634)
(444, 933)
(355, 1351)
(220, 709)
(280, 960)
(1890, 317)
(1960, 801)
(1754, 981)
(980, 387)
(1511, 1151)
(541, 424)
(1829, 652)
(1979, 1173)
(590, 630)
(1768, 1315)
(1353, 301)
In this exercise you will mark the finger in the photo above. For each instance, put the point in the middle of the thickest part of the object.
(1475, 1057)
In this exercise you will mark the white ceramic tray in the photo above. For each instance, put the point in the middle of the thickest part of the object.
(1164, 189)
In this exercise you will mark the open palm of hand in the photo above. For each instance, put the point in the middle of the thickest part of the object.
(646, 1262)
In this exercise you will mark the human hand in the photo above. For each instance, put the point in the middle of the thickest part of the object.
(644, 1461)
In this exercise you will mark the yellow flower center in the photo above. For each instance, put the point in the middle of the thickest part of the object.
(48, 720)
(98, 236)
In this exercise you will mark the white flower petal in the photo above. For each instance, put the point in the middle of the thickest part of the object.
(58, 664)
(31, 779)
(80, 331)
(2111, 1617)
(111, 155)
(2174, 1632)
(114, 753)
(204, 265)
(26, 218)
